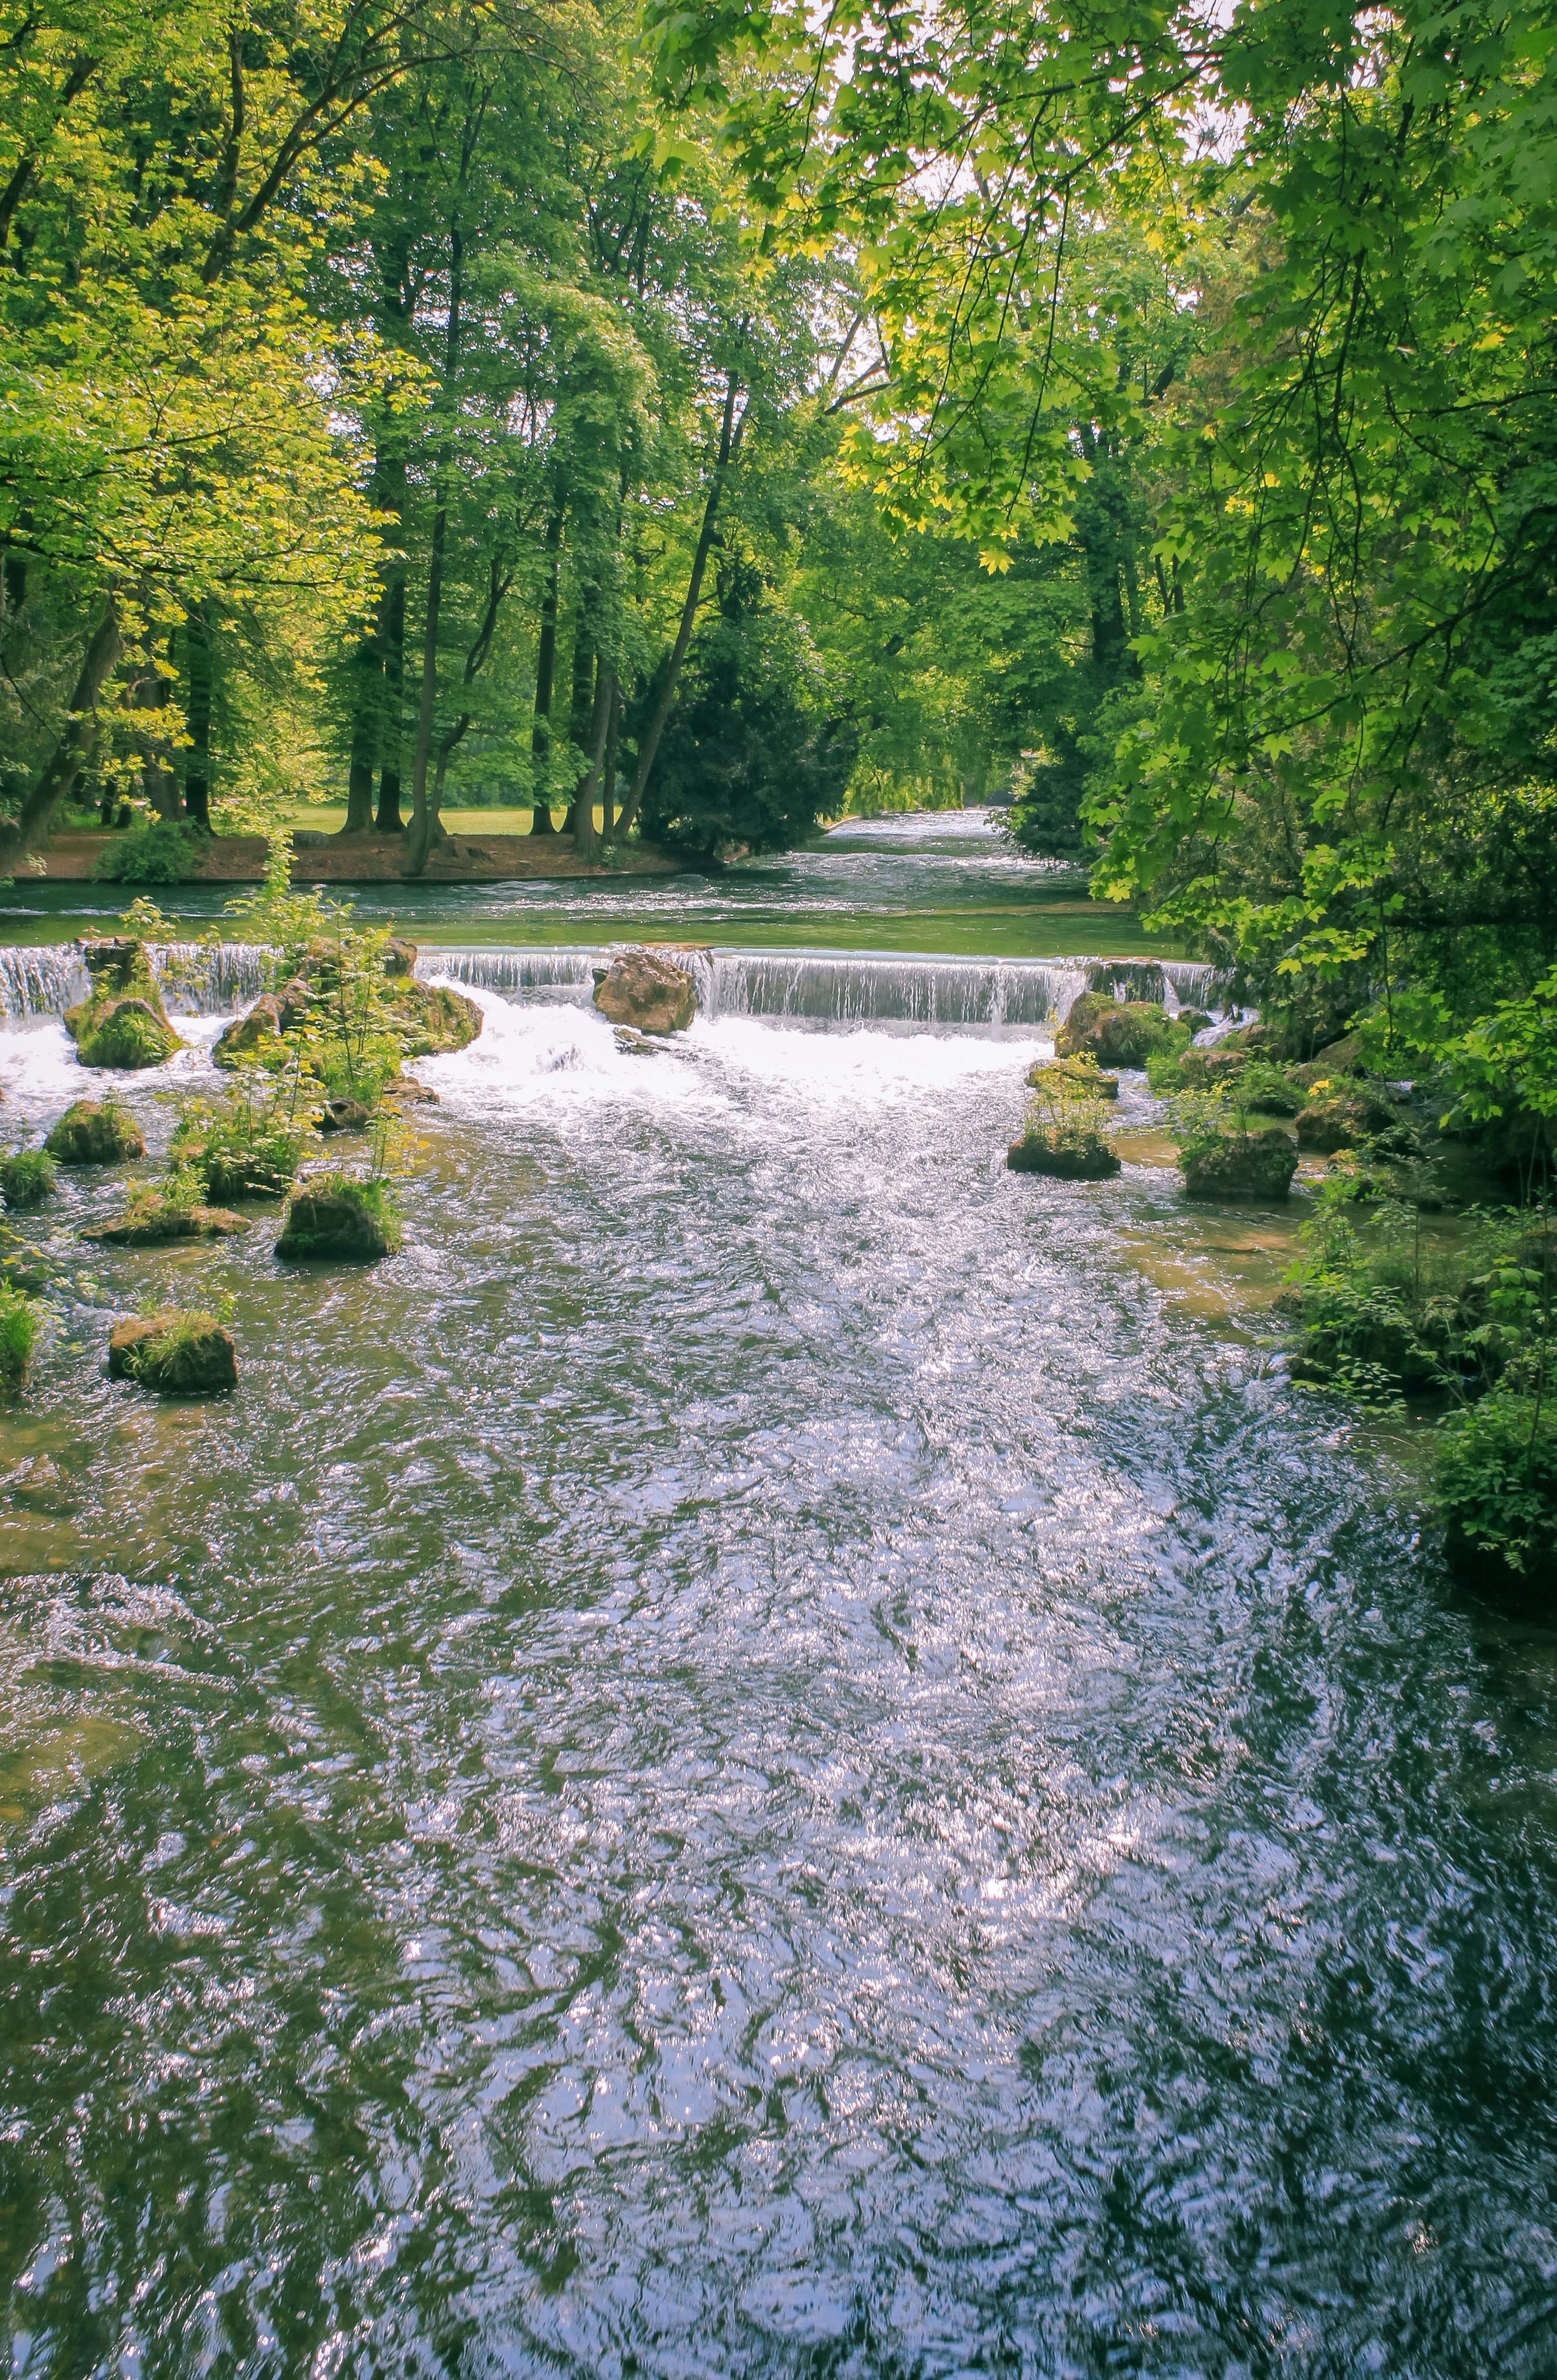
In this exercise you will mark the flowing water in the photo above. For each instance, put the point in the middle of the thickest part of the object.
(947, 881)
(756, 1758)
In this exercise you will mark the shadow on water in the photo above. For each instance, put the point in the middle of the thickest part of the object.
(754, 1759)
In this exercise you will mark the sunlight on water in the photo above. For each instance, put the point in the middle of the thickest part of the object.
(754, 1759)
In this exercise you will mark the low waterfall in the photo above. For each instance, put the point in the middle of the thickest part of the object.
(195, 978)
(845, 988)
(561, 971)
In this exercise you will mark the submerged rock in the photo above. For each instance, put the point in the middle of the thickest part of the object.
(342, 1218)
(1248, 1165)
(246, 1038)
(94, 1132)
(1067, 1155)
(345, 1116)
(39, 1484)
(158, 1221)
(1068, 1078)
(651, 993)
(181, 1354)
(634, 1044)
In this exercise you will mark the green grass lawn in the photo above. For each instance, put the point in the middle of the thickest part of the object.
(328, 818)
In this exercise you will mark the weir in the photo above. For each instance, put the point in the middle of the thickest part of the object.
(850, 988)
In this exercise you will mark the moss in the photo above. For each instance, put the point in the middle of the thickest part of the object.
(1068, 1153)
(1115, 1033)
(338, 1215)
(1239, 1165)
(176, 1352)
(27, 1179)
(96, 1132)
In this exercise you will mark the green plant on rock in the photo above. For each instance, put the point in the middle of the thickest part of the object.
(251, 1145)
(27, 1179)
(1065, 1135)
(18, 1334)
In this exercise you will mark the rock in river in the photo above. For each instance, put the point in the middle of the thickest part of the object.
(338, 1215)
(96, 1132)
(122, 1023)
(182, 1354)
(248, 1036)
(647, 991)
(153, 1223)
(1245, 1165)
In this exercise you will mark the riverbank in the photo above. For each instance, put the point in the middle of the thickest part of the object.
(75, 858)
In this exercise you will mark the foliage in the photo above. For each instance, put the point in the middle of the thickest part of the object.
(251, 1145)
(28, 1179)
(1496, 1482)
(18, 1334)
(165, 851)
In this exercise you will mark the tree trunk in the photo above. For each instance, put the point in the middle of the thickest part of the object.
(61, 769)
(149, 695)
(584, 799)
(608, 766)
(196, 766)
(547, 664)
(729, 442)
(392, 641)
(422, 819)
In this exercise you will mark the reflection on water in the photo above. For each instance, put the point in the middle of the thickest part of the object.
(751, 1760)
(945, 881)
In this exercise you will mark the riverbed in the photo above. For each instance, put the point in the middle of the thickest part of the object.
(761, 1756)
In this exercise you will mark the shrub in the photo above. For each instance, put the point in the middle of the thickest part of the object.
(164, 851)
(1496, 1487)
(249, 1148)
(18, 1334)
(28, 1178)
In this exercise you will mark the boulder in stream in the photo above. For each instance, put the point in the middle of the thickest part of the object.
(155, 1222)
(249, 1037)
(1115, 1033)
(433, 1017)
(1339, 1118)
(178, 1354)
(337, 1215)
(1243, 1165)
(1064, 1152)
(649, 992)
(122, 1023)
(96, 1132)
(1071, 1078)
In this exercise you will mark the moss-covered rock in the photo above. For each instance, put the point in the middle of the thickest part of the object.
(1068, 1078)
(152, 1222)
(647, 991)
(249, 1039)
(178, 1354)
(1066, 1154)
(1242, 1165)
(28, 1180)
(345, 1116)
(1333, 1120)
(1194, 1020)
(122, 1023)
(1114, 1033)
(340, 1217)
(96, 1132)
(433, 1018)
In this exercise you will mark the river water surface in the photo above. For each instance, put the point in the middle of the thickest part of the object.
(756, 1758)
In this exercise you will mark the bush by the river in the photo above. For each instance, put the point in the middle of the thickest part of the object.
(94, 1131)
(1496, 1485)
(18, 1334)
(28, 1179)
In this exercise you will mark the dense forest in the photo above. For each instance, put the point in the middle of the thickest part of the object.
(691, 423)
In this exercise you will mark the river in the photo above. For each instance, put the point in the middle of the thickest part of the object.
(760, 1758)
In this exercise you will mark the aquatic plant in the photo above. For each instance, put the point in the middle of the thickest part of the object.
(28, 1178)
(18, 1334)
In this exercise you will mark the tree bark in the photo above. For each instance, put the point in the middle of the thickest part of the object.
(424, 820)
(546, 664)
(197, 767)
(584, 799)
(729, 444)
(608, 766)
(61, 769)
(393, 656)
